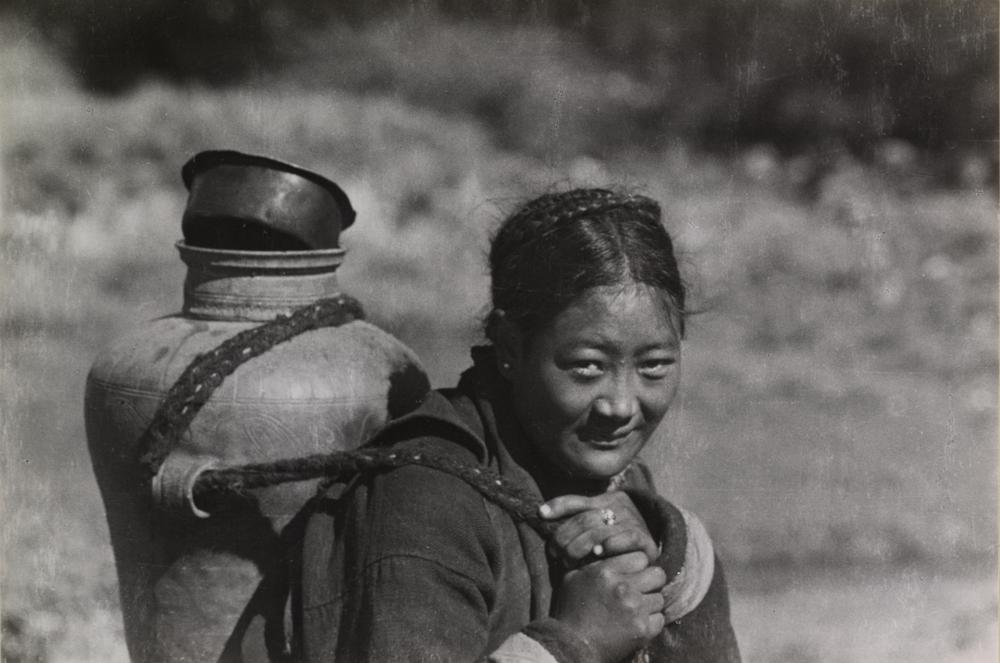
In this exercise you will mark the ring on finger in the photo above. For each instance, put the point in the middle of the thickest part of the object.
(608, 517)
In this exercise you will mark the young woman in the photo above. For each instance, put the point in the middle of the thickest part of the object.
(584, 361)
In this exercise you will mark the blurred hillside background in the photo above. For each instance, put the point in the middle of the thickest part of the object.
(829, 169)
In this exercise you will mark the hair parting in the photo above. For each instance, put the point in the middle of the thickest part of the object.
(557, 246)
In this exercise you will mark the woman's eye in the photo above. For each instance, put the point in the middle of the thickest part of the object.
(586, 369)
(654, 369)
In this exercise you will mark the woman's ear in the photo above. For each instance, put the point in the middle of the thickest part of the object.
(509, 344)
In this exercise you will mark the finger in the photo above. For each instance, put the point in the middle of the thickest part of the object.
(656, 624)
(589, 542)
(650, 579)
(622, 504)
(607, 541)
(653, 602)
(582, 523)
(568, 531)
(626, 565)
(628, 541)
(565, 505)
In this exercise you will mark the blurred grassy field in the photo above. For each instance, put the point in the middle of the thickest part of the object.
(837, 426)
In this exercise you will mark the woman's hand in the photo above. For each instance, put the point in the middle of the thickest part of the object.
(614, 604)
(586, 530)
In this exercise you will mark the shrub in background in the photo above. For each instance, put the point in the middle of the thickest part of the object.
(817, 77)
(114, 44)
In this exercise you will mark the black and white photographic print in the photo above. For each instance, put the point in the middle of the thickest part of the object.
(512, 330)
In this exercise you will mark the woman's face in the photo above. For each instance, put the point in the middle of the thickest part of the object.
(590, 388)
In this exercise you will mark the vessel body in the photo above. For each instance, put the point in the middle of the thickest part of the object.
(186, 580)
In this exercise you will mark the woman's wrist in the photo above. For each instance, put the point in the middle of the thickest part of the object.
(562, 641)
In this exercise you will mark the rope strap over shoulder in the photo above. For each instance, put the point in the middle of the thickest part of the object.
(207, 371)
(182, 480)
(520, 504)
(179, 484)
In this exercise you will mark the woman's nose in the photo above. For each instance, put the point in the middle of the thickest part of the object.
(619, 402)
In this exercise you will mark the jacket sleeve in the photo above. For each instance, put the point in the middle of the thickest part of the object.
(704, 635)
(696, 605)
(543, 641)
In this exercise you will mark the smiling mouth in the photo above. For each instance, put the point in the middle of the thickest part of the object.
(606, 439)
(606, 445)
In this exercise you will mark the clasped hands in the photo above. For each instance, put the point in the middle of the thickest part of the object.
(611, 593)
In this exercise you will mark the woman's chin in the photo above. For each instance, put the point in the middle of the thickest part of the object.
(598, 459)
(600, 464)
(591, 460)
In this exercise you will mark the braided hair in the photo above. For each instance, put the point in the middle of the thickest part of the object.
(561, 244)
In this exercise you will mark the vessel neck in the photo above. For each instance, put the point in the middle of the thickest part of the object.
(255, 286)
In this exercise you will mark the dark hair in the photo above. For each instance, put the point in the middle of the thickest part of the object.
(560, 244)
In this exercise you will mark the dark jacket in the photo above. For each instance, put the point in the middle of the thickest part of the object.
(413, 564)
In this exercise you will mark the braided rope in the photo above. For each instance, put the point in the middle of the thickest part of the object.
(520, 504)
(207, 370)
